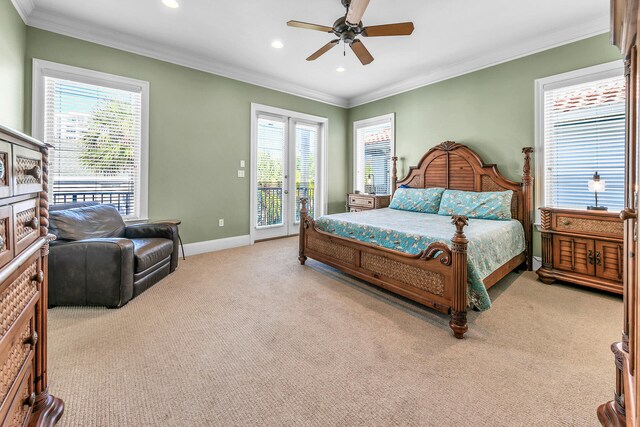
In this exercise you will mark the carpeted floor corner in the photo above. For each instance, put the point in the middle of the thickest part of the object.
(248, 337)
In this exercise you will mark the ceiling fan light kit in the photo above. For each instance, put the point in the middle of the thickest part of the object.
(348, 27)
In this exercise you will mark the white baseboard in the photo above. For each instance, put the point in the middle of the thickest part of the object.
(216, 245)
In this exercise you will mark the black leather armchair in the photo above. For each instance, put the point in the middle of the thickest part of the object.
(98, 260)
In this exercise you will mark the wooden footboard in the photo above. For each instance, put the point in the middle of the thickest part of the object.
(437, 277)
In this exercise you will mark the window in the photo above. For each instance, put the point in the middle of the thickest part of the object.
(580, 130)
(97, 125)
(374, 145)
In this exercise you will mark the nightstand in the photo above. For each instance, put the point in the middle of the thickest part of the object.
(357, 202)
(582, 247)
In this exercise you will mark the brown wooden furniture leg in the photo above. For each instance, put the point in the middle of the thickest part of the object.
(303, 214)
(459, 242)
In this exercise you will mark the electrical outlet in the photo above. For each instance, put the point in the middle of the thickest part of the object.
(221, 223)
(241, 163)
(240, 174)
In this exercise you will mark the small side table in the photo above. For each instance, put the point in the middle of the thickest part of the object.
(175, 222)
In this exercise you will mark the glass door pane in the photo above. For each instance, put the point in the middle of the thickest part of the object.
(307, 136)
(271, 164)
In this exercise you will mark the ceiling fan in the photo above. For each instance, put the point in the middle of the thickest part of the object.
(349, 27)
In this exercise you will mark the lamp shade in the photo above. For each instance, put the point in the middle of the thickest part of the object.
(597, 185)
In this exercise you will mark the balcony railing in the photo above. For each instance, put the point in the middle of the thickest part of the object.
(119, 194)
(269, 198)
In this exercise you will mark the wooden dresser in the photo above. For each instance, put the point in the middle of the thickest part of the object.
(357, 202)
(24, 244)
(582, 247)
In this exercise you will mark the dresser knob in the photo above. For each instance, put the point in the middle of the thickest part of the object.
(35, 172)
(32, 340)
(565, 221)
(31, 400)
(33, 223)
(38, 277)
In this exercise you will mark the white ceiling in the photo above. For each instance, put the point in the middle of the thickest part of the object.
(233, 38)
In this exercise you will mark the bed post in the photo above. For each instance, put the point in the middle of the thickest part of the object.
(527, 184)
(459, 242)
(394, 175)
(303, 216)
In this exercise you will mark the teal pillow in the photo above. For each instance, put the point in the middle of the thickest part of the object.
(487, 205)
(426, 200)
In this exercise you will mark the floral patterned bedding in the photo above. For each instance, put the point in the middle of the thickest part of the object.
(491, 243)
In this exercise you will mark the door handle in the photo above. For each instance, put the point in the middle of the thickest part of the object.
(590, 257)
(628, 213)
(286, 191)
(598, 258)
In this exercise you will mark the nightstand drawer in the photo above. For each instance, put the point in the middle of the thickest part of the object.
(607, 226)
(363, 201)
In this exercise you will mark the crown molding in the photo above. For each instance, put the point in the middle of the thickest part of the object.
(51, 21)
(24, 8)
(56, 23)
(540, 44)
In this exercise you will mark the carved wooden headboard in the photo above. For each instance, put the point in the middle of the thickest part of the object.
(457, 167)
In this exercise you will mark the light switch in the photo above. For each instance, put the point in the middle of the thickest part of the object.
(241, 163)
(240, 174)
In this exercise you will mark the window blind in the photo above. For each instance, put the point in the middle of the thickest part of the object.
(271, 138)
(96, 134)
(374, 158)
(584, 132)
(307, 136)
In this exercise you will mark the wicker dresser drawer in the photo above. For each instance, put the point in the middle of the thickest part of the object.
(17, 293)
(6, 235)
(6, 189)
(26, 224)
(22, 405)
(27, 170)
(605, 226)
(17, 350)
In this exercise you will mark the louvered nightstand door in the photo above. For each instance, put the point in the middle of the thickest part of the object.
(574, 254)
(608, 260)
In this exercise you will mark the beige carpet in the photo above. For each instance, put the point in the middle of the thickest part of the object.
(249, 337)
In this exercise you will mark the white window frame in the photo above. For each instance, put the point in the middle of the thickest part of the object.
(583, 75)
(391, 117)
(42, 69)
(323, 192)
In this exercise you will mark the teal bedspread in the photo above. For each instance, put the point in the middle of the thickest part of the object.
(491, 243)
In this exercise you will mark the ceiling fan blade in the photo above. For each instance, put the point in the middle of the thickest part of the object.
(401, 29)
(308, 26)
(361, 52)
(356, 10)
(324, 49)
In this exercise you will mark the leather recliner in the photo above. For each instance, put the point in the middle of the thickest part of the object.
(98, 260)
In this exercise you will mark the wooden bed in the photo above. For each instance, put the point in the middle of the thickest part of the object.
(437, 277)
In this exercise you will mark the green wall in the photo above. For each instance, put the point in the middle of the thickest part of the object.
(491, 110)
(13, 45)
(199, 131)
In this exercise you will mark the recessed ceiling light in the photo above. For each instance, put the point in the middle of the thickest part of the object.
(341, 69)
(277, 44)
(173, 4)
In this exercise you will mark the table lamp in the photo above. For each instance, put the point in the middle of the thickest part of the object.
(597, 185)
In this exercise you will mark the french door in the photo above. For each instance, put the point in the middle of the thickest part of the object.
(286, 165)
